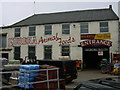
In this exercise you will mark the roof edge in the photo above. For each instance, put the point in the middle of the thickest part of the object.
(58, 23)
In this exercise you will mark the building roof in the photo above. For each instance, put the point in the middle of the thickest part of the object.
(68, 17)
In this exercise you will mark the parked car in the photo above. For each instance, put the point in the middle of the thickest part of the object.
(67, 68)
(112, 83)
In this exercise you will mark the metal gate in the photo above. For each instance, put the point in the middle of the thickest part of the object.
(16, 75)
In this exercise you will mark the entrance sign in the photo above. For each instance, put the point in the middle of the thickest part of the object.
(98, 42)
(95, 36)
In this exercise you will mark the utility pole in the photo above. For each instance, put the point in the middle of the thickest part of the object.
(119, 10)
(34, 7)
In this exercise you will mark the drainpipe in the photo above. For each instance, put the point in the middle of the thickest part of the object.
(119, 37)
(119, 28)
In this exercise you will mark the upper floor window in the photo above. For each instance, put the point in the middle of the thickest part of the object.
(17, 32)
(65, 50)
(48, 29)
(66, 29)
(32, 31)
(84, 28)
(103, 26)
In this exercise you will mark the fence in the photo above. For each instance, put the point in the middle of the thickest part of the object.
(46, 74)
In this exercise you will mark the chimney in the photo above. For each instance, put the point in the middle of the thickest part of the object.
(110, 6)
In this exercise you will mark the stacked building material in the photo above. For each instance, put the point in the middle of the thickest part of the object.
(105, 66)
(27, 75)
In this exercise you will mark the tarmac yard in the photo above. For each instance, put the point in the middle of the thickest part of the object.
(82, 76)
(86, 75)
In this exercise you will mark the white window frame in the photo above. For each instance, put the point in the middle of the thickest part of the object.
(17, 33)
(104, 28)
(84, 29)
(65, 30)
(32, 33)
(63, 52)
(48, 30)
(48, 52)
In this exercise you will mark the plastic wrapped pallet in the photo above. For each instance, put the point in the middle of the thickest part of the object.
(27, 76)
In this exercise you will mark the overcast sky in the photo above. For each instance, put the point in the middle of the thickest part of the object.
(14, 11)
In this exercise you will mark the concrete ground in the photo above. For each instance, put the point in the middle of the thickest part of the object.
(86, 75)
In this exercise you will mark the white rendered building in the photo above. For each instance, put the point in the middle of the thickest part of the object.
(87, 35)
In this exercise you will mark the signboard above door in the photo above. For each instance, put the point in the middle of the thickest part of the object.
(95, 36)
(98, 42)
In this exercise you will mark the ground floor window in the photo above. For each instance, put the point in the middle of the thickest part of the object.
(5, 55)
(31, 52)
(48, 52)
(17, 52)
(65, 50)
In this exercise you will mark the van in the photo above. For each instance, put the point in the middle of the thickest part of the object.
(67, 68)
(109, 83)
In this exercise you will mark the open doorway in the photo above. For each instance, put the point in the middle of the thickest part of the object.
(93, 55)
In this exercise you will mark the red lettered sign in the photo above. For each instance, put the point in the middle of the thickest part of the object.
(98, 42)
